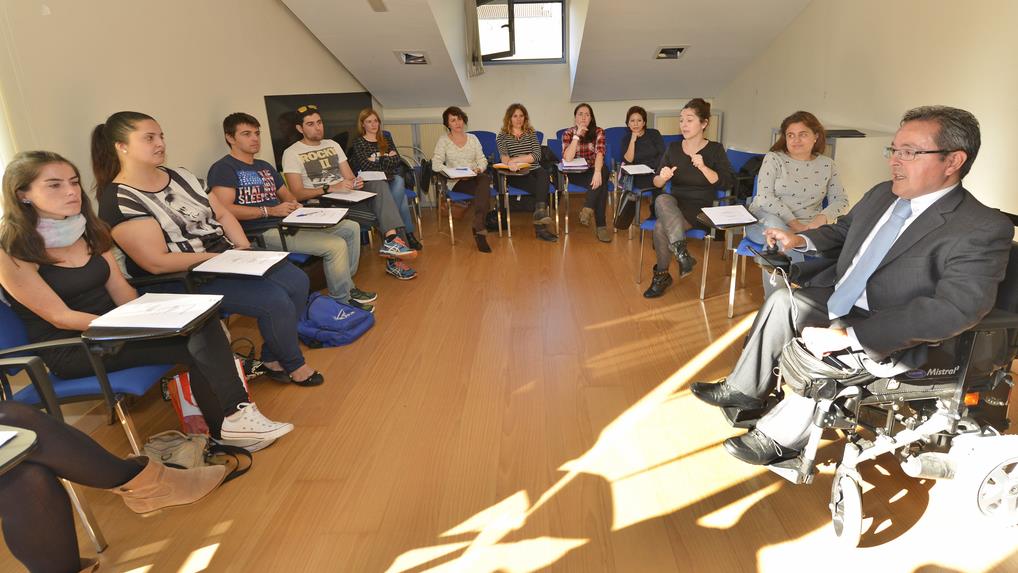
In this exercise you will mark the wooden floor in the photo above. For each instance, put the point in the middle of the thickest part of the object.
(525, 411)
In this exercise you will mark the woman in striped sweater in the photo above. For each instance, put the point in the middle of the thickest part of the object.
(518, 148)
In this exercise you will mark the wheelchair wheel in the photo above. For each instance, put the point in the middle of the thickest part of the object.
(846, 510)
(987, 480)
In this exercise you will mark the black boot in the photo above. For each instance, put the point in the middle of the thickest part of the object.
(413, 243)
(682, 256)
(662, 280)
(482, 243)
(544, 234)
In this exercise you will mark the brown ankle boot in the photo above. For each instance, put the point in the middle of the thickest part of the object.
(158, 486)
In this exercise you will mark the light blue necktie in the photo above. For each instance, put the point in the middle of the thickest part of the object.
(849, 291)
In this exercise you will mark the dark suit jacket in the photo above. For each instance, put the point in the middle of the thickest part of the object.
(939, 278)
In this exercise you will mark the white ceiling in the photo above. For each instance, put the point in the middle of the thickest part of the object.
(611, 60)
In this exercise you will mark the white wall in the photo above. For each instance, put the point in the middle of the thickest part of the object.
(188, 63)
(542, 88)
(863, 63)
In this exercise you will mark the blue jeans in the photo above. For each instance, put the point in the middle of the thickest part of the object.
(397, 187)
(339, 246)
(277, 300)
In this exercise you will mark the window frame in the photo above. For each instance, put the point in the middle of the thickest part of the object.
(489, 59)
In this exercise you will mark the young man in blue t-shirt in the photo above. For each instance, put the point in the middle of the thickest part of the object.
(256, 195)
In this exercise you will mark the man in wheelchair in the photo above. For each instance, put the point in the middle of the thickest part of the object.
(916, 263)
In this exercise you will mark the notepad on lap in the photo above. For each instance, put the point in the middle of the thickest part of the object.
(729, 215)
(637, 169)
(238, 262)
(577, 162)
(372, 175)
(158, 310)
(350, 196)
(458, 172)
(316, 216)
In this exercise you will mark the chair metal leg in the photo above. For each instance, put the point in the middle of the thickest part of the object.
(452, 232)
(555, 197)
(86, 516)
(128, 424)
(415, 206)
(731, 286)
(565, 191)
(742, 271)
(508, 217)
(639, 268)
(706, 260)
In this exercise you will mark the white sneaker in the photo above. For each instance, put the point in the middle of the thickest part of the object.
(249, 423)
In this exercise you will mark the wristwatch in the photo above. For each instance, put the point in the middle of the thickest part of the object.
(325, 188)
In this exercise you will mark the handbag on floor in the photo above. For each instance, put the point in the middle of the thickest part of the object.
(184, 451)
(625, 210)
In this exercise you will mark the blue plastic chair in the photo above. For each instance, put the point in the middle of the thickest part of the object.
(111, 387)
(540, 137)
(670, 139)
(488, 144)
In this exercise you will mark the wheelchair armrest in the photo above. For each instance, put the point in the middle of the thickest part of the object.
(36, 370)
(998, 320)
(37, 346)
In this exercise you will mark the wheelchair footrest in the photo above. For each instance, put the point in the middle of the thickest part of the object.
(740, 418)
(796, 470)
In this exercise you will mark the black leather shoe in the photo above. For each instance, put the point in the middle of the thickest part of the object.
(662, 280)
(482, 243)
(544, 234)
(755, 448)
(721, 394)
(682, 256)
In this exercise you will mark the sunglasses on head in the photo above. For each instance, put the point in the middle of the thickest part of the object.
(304, 108)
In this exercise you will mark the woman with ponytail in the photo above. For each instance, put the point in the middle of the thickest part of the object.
(164, 222)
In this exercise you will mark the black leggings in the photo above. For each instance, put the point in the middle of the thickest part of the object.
(37, 521)
(535, 183)
(214, 379)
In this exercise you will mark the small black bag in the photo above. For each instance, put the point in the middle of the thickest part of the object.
(800, 370)
(625, 210)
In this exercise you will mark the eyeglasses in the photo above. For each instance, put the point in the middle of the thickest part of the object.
(304, 108)
(909, 154)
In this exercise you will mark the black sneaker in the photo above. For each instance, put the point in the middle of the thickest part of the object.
(482, 243)
(362, 296)
(413, 243)
(682, 257)
(362, 306)
(662, 280)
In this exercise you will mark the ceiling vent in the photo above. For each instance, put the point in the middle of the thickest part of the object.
(412, 58)
(670, 52)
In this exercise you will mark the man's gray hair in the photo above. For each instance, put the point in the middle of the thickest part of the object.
(959, 130)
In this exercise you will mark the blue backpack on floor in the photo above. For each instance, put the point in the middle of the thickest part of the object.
(328, 322)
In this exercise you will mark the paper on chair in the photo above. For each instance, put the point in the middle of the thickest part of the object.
(729, 215)
(372, 175)
(458, 172)
(238, 262)
(637, 169)
(158, 310)
(316, 215)
(7, 436)
(350, 196)
(577, 162)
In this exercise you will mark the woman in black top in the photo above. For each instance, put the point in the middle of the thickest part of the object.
(518, 146)
(57, 267)
(641, 146)
(696, 168)
(374, 150)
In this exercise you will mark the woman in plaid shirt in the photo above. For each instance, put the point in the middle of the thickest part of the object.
(586, 140)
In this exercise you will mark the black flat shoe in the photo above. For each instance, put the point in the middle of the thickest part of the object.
(545, 235)
(482, 243)
(722, 395)
(755, 448)
(661, 281)
(413, 243)
(316, 379)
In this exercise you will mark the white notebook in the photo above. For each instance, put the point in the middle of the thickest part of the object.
(458, 172)
(316, 215)
(729, 215)
(158, 310)
(349, 196)
(637, 169)
(241, 262)
(577, 162)
(372, 175)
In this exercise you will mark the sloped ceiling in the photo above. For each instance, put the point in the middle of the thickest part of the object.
(364, 41)
(615, 58)
(611, 45)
